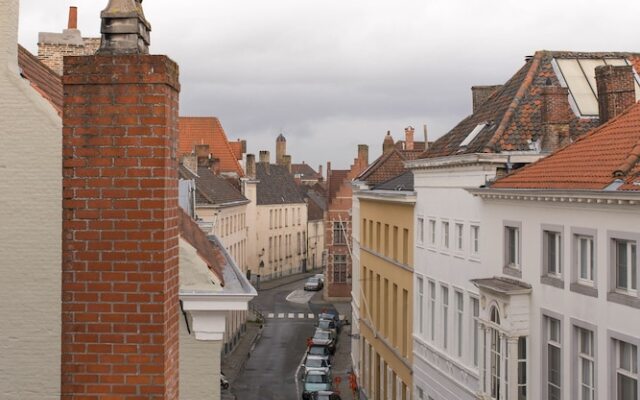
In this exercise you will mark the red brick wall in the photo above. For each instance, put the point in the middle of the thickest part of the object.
(120, 228)
(616, 90)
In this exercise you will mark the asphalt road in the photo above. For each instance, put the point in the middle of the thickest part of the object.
(269, 373)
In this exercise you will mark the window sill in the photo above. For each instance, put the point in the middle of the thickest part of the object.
(583, 289)
(511, 271)
(624, 299)
(552, 281)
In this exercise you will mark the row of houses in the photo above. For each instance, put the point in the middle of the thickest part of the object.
(500, 262)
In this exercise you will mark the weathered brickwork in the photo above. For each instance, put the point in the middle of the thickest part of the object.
(52, 54)
(120, 288)
(616, 90)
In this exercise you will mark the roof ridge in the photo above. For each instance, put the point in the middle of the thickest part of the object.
(524, 86)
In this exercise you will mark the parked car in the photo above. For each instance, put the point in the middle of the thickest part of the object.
(320, 276)
(322, 351)
(313, 283)
(328, 325)
(316, 363)
(325, 395)
(224, 382)
(324, 338)
(316, 381)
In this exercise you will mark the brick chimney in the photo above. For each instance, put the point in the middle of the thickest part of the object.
(120, 307)
(556, 116)
(286, 162)
(616, 90)
(73, 18)
(388, 143)
(481, 94)
(264, 156)
(408, 138)
(251, 166)
(320, 170)
(363, 154)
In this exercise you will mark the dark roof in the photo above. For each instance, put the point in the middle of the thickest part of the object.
(212, 189)
(41, 77)
(305, 171)
(276, 185)
(191, 232)
(402, 182)
(604, 156)
(389, 165)
(513, 112)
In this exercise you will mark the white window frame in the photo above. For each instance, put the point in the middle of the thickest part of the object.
(512, 262)
(474, 243)
(588, 359)
(420, 301)
(445, 226)
(459, 322)
(621, 370)
(550, 341)
(459, 230)
(475, 327)
(420, 229)
(590, 259)
(444, 294)
(432, 232)
(432, 310)
(552, 265)
(631, 266)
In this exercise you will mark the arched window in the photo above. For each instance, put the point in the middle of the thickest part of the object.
(496, 356)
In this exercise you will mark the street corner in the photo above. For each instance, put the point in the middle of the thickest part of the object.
(300, 296)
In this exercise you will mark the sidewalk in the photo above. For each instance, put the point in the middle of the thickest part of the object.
(285, 280)
(233, 363)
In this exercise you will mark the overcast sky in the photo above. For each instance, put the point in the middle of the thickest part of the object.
(332, 74)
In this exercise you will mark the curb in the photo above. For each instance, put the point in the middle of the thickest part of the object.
(284, 283)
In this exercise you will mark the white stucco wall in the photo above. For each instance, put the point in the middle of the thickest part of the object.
(315, 230)
(199, 366)
(30, 229)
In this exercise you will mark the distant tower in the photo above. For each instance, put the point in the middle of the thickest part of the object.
(281, 149)
(388, 143)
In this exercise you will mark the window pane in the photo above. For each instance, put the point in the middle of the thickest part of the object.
(627, 388)
(621, 259)
(634, 278)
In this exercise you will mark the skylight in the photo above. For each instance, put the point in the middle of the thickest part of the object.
(473, 134)
(579, 75)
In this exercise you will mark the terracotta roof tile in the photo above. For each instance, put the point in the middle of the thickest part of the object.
(41, 77)
(595, 161)
(513, 112)
(236, 147)
(389, 165)
(208, 130)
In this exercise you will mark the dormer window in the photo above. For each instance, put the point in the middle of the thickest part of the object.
(473, 134)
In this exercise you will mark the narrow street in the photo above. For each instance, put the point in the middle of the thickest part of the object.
(270, 371)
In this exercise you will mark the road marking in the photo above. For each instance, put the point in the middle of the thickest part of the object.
(297, 374)
(311, 315)
(280, 315)
(300, 296)
(291, 315)
(270, 315)
(301, 315)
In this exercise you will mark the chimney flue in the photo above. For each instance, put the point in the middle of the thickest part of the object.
(426, 137)
(286, 162)
(124, 28)
(73, 18)
(556, 116)
(363, 154)
(408, 138)
(251, 166)
(616, 91)
(320, 170)
(264, 156)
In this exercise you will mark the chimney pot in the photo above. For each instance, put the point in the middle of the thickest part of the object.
(124, 28)
(408, 138)
(251, 165)
(388, 143)
(264, 156)
(426, 137)
(616, 90)
(73, 18)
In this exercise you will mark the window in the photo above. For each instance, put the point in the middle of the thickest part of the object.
(339, 268)
(626, 266)
(475, 309)
(420, 393)
(420, 230)
(475, 239)
(459, 232)
(286, 217)
(522, 368)
(552, 253)
(554, 359)
(586, 259)
(458, 322)
(420, 302)
(512, 246)
(364, 232)
(626, 384)
(370, 234)
(338, 234)
(395, 243)
(299, 242)
(432, 310)
(432, 232)
(270, 219)
(445, 234)
(405, 246)
(386, 240)
(495, 355)
(270, 249)
(378, 236)
(586, 365)
(445, 316)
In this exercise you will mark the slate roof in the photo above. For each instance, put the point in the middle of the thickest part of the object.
(305, 171)
(42, 78)
(212, 189)
(208, 130)
(402, 182)
(388, 166)
(514, 111)
(595, 161)
(276, 185)
(191, 232)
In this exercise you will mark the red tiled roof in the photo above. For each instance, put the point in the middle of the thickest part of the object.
(208, 130)
(236, 147)
(42, 78)
(388, 166)
(514, 111)
(595, 161)
(191, 232)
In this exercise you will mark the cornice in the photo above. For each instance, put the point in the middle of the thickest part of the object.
(589, 197)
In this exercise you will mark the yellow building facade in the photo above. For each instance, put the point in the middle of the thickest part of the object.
(386, 293)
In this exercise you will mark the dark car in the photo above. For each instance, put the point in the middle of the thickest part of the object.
(325, 395)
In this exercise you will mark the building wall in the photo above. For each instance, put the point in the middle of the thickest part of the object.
(438, 371)
(386, 313)
(30, 231)
(199, 366)
(315, 243)
(606, 318)
(355, 291)
(53, 47)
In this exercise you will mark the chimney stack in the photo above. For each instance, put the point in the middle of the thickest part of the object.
(408, 138)
(214, 165)
(426, 137)
(265, 156)
(388, 143)
(286, 162)
(363, 154)
(556, 116)
(616, 90)
(251, 166)
(73, 18)
(202, 155)
(124, 28)
(120, 272)
(320, 170)
(481, 94)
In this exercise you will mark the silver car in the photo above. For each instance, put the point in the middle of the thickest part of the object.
(316, 363)
(325, 338)
(313, 284)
